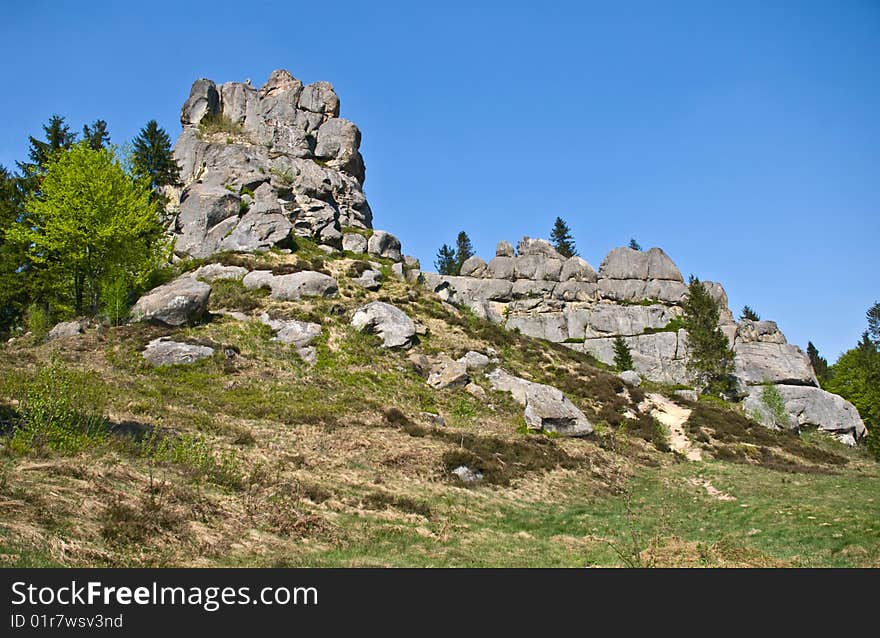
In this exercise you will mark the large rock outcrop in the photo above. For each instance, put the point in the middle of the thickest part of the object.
(638, 296)
(258, 165)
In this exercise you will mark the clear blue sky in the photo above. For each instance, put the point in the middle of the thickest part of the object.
(744, 139)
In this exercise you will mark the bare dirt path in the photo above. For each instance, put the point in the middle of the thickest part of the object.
(673, 416)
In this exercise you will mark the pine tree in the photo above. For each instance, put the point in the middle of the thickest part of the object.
(96, 135)
(749, 314)
(622, 355)
(561, 238)
(819, 363)
(12, 291)
(445, 262)
(58, 137)
(152, 157)
(634, 244)
(464, 250)
(873, 315)
(710, 358)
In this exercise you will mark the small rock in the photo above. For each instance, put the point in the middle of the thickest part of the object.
(475, 390)
(176, 303)
(688, 395)
(68, 329)
(504, 249)
(467, 475)
(369, 279)
(474, 360)
(354, 242)
(393, 325)
(162, 351)
(212, 272)
(446, 373)
(433, 419)
(631, 378)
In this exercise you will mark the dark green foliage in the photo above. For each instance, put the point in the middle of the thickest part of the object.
(819, 363)
(12, 294)
(464, 250)
(446, 263)
(58, 136)
(152, 158)
(561, 238)
(856, 377)
(634, 244)
(710, 358)
(622, 356)
(748, 313)
(96, 135)
(873, 315)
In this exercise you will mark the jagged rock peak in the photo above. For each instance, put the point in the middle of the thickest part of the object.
(258, 165)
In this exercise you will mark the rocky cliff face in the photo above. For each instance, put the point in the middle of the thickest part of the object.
(638, 295)
(258, 165)
(261, 165)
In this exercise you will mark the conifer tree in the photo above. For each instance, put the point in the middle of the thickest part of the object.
(710, 358)
(622, 355)
(96, 135)
(634, 244)
(445, 262)
(748, 313)
(152, 156)
(561, 238)
(819, 363)
(873, 315)
(464, 250)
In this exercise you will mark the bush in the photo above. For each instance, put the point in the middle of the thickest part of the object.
(775, 403)
(38, 320)
(60, 410)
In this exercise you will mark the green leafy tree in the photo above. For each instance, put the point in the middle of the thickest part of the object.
(152, 157)
(96, 135)
(445, 262)
(819, 363)
(561, 238)
(856, 377)
(464, 250)
(622, 356)
(710, 358)
(634, 244)
(12, 293)
(91, 223)
(750, 314)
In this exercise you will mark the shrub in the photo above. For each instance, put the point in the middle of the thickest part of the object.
(219, 123)
(622, 356)
(773, 401)
(61, 410)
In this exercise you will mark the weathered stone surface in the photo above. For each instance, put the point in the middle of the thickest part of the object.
(626, 263)
(504, 249)
(411, 262)
(475, 391)
(303, 284)
(339, 141)
(763, 362)
(369, 279)
(68, 329)
(383, 244)
(392, 324)
(576, 291)
(446, 373)
(659, 357)
(756, 407)
(501, 268)
(299, 334)
(576, 269)
(466, 474)
(551, 326)
(631, 378)
(473, 267)
(320, 97)
(688, 395)
(474, 360)
(212, 272)
(398, 271)
(203, 100)
(354, 242)
(546, 407)
(466, 290)
(162, 351)
(538, 247)
(612, 320)
(176, 303)
(748, 331)
(258, 279)
(814, 407)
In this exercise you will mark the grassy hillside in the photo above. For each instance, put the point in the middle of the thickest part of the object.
(251, 457)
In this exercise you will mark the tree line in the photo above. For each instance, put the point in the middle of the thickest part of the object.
(81, 224)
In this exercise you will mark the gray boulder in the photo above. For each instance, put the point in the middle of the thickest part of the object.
(748, 331)
(320, 97)
(179, 302)
(383, 244)
(504, 249)
(758, 406)
(546, 407)
(213, 272)
(203, 100)
(768, 362)
(68, 329)
(370, 279)
(446, 373)
(354, 242)
(501, 268)
(474, 360)
(631, 378)
(473, 267)
(162, 351)
(338, 141)
(395, 328)
(814, 407)
(626, 263)
(538, 247)
(258, 279)
(299, 334)
(307, 283)
(576, 269)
